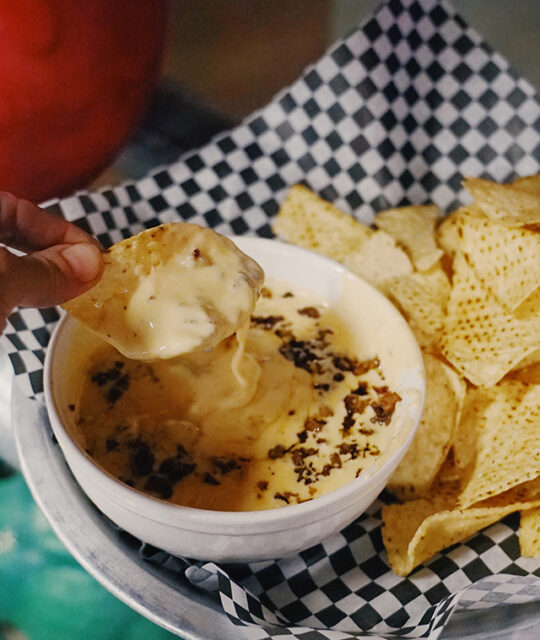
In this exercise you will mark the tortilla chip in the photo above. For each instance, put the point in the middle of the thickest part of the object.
(464, 446)
(142, 305)
(448, 233)
(529, 374)
(306, 220)
(445, 392)
(480, 338)
(414, 229)
(378, 260)
(529, 310)
(531, 184)
(506, 260)
(422, 298)
(529, 533)
(506, 203)
(415, 531)
(506, 442)
(449, 471)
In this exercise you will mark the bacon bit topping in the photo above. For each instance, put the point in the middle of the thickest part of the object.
(141, 460)
(322, 386)
(310, 312)
(300, 454)
(225, 466)
(160, 486)
(115, 383)
(325, 411)
(208, 478)
(314, 424)
(277, 452)
(349, 448)
(345, 363)
(361, 390)
(335, 459)
(266, 322)
(353, 405)
(111, 444)
(384, 407)
(302, 353)
(286, 496)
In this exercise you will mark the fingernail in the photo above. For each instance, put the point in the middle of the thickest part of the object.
(85, 261)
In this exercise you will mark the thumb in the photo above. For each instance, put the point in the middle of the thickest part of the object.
(48, 277)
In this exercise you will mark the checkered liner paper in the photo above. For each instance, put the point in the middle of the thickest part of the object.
(396, 113)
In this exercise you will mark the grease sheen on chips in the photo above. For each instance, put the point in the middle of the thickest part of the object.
(474, 306)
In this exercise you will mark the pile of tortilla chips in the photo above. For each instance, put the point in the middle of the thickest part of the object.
(469, 286)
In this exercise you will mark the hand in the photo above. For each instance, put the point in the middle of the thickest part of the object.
(62, 260)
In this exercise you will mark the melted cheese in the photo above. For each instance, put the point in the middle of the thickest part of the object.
(196, 298)
(170, 290)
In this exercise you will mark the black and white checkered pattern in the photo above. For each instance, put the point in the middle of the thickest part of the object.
(397, 113)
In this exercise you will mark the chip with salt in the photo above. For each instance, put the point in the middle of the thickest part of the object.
(445, 391)
(414, 229)
(529, 533)
(480, 338)
(169, 290)
(509, 204)
(505, 259)
(313, 223)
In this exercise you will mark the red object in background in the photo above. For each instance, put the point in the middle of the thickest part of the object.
(75, 79)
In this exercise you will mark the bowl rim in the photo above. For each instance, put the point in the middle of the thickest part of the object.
(173, 514)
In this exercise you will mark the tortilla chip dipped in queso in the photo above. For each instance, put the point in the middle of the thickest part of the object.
(171, 289)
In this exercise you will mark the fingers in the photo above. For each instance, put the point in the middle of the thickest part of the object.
(65, 261)
(47, 277)
(26, 227)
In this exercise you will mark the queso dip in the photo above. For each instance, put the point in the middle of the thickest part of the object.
(276, 414)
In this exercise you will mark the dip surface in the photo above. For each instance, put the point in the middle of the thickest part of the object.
(280, 413)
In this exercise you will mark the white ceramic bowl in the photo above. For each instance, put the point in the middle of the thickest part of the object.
(259, 535)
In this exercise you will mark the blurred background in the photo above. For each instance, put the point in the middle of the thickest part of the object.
(221, 60)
